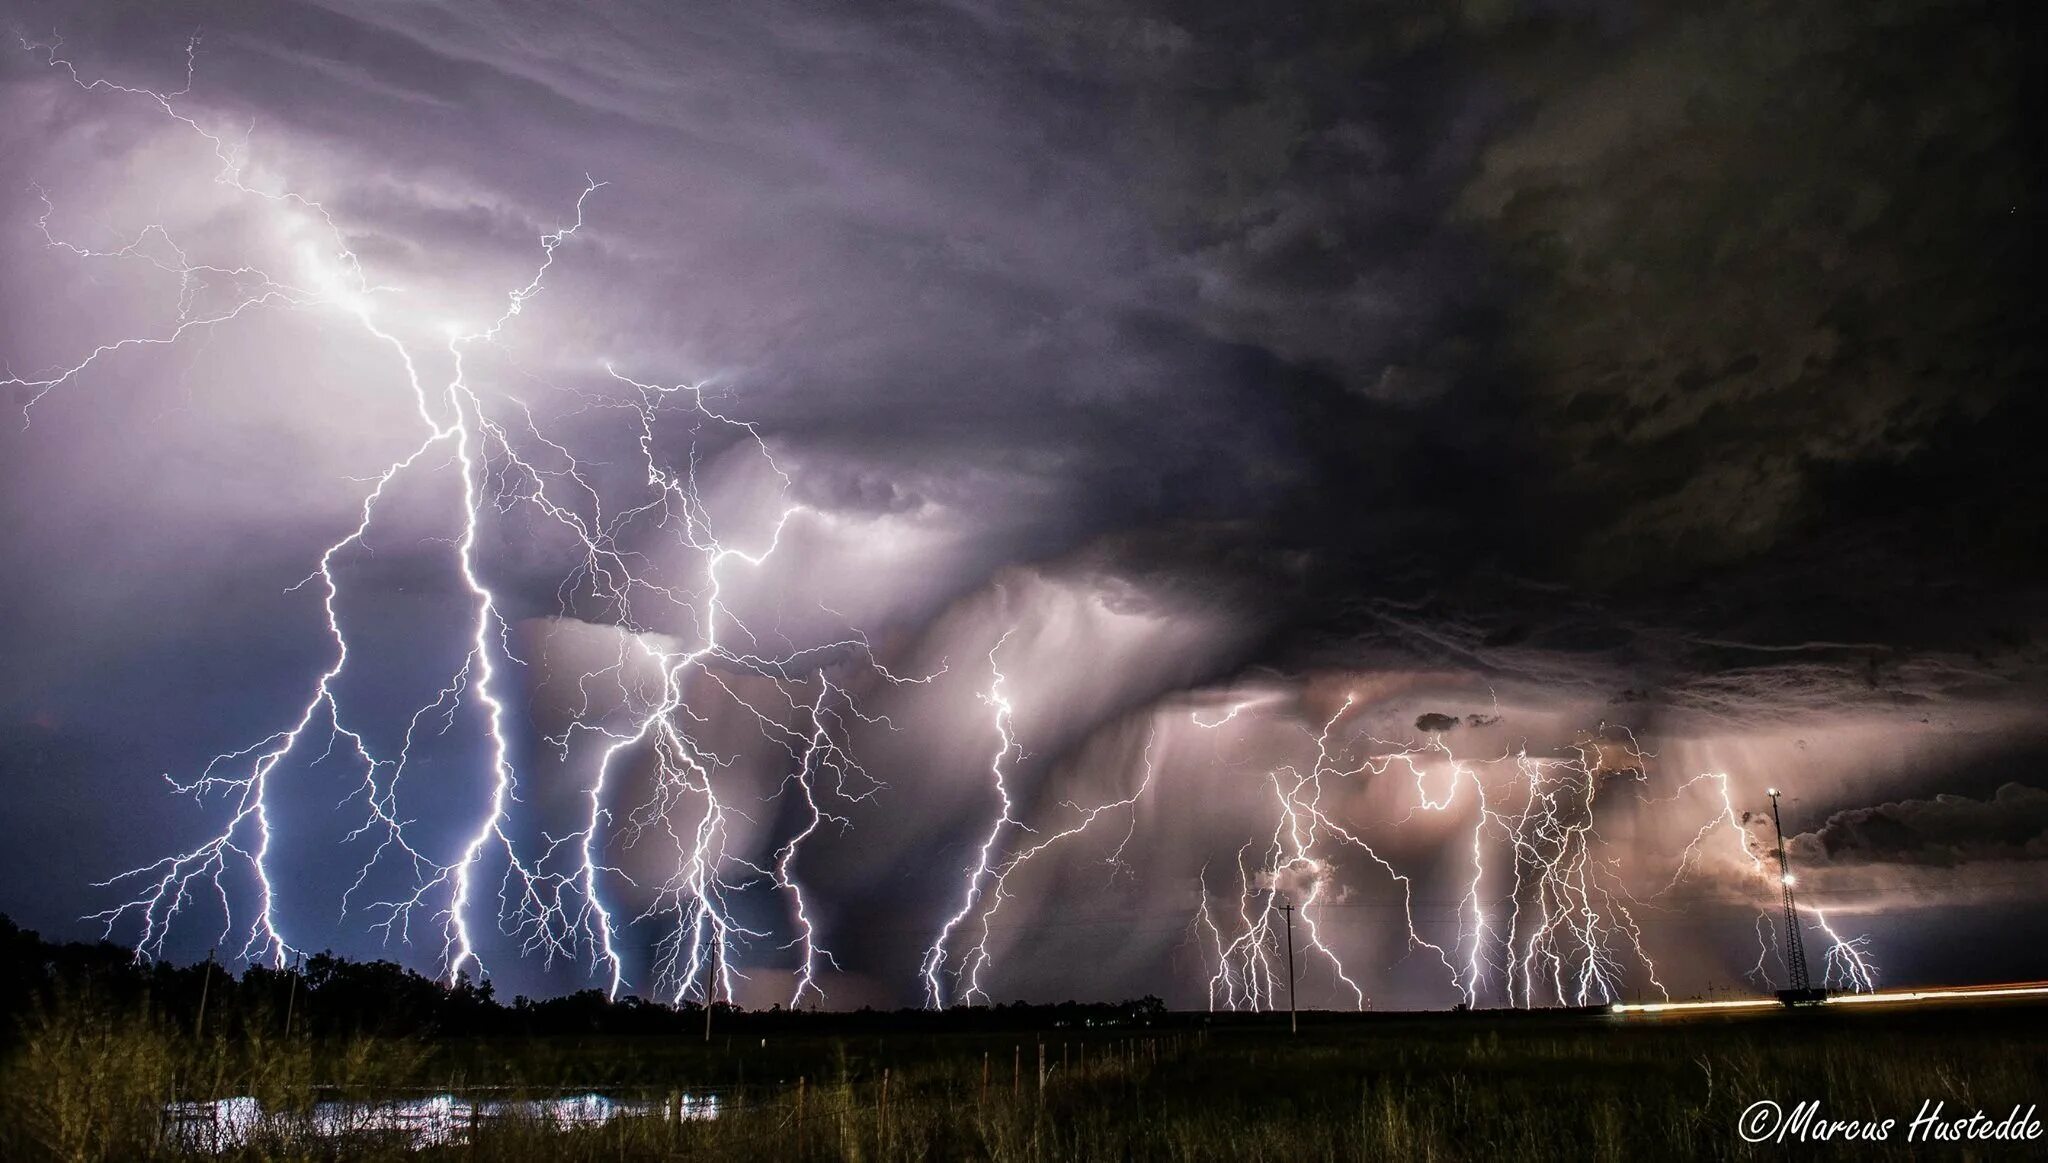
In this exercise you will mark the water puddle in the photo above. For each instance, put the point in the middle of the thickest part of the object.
(437, 1120)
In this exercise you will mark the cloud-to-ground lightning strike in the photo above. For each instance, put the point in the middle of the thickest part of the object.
(937, 956)
(1847, 963)
(1246, 972)
(979, 958)
(1568, 932)
(1542, 915)
(552, 901)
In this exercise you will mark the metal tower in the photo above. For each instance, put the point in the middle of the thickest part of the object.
(1795, 949)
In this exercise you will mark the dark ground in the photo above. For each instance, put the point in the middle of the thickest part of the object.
(101, 1045)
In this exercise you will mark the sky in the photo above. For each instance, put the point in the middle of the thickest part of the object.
(912, 504)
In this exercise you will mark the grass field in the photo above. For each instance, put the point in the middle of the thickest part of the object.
(86, 1081)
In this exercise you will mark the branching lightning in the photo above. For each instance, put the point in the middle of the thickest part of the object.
(1848, 963)
(938, 955)
(1566, 928)
(1542, 913)
(551, 898)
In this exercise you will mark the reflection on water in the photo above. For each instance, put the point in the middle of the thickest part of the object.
(436, 1120)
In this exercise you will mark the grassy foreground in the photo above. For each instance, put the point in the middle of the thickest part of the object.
(86, 1080)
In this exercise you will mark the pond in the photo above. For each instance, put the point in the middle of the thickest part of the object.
(434, 1120)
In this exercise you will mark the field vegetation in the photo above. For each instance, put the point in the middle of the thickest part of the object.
(96, 1047)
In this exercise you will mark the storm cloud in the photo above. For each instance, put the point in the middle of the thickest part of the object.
(1947, 830)
(1527, 374)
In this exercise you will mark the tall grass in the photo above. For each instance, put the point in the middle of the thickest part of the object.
(86, 1081)
(89, 1075)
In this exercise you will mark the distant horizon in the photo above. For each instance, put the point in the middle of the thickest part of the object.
(687, 1005)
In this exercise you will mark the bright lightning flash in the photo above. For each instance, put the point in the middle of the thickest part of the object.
(550, 898)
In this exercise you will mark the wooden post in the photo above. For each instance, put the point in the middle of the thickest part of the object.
(291, 999)
(984, 1078)
(1016, 1072)
(1041, 1074)
(205, 983)
(885, 1105)
(799, 1115)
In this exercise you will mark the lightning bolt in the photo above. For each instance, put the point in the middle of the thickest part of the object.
(1544, 915)
(1847, 963)
(1246, 972)
(937, 956)
(978, 958)
(550, 897)
(1567, 930)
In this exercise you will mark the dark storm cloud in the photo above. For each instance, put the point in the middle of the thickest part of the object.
(1777, 256)
(1536, 338)
(2010, 825)
(1762, 375)
(1679, 366)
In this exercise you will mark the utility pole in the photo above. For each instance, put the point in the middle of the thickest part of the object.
(710, 995)
(1795, 949)
(292, 998)
(1293, 1023)
(205, 983)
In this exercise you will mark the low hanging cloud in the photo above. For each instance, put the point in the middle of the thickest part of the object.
(1947, 830)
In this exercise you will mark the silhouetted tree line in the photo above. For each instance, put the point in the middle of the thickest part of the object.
(332, 996)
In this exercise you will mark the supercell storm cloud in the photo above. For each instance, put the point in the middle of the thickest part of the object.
(958, 503)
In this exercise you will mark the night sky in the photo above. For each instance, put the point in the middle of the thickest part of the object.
(1557, 401)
